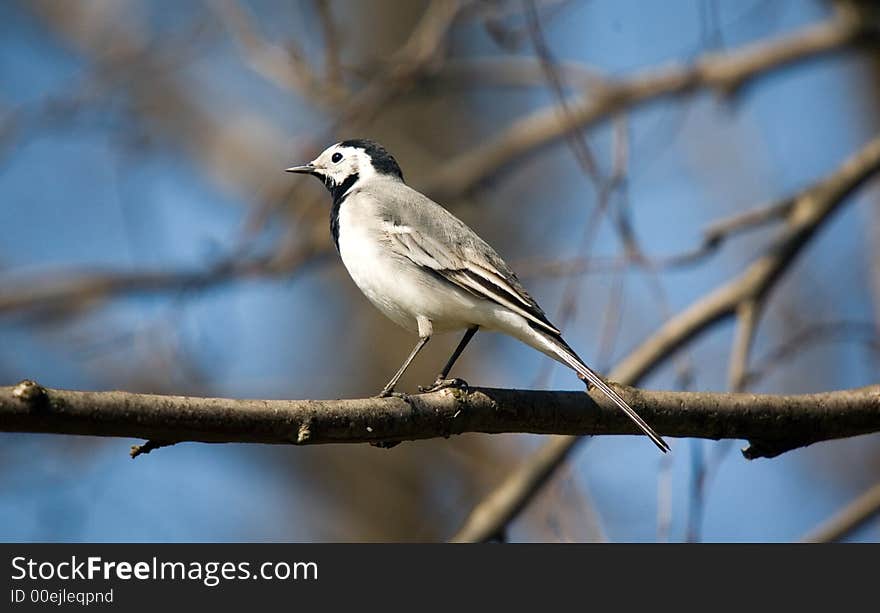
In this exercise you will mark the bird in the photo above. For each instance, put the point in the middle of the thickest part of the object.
(427, 270)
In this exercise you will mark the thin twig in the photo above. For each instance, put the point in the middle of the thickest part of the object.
(864, 332)
(714, 236)
(722, 72)
(577, 142)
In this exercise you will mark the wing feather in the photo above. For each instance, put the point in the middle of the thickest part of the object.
(479, 271)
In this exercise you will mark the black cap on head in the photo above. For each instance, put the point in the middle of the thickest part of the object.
(383, 162)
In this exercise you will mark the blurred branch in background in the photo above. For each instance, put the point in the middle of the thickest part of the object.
(847, 520)
(864, 333)
(59, 294)
(68, 294)
(248, 159)
(727, 73)
(810, 209)
(244, 153)
(782, 422)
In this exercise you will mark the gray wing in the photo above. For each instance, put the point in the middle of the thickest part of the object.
(420, 230)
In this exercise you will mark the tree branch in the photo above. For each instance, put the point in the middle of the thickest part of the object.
(787, 421)
(724, 72)
(71, 292)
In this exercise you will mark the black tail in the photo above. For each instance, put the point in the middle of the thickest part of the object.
(570, 358)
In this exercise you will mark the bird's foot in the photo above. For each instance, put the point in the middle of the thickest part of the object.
(589, 385)
(386, 393)
(442, 384)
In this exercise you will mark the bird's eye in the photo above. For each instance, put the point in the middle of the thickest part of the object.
(337, 157)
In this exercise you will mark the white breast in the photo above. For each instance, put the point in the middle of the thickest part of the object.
(372, 269)
(403, 291)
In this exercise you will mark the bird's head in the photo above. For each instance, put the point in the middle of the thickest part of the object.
(351, 161)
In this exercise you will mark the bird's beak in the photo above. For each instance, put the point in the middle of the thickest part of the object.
(305, 169)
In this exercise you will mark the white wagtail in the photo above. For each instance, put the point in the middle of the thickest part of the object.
(426, 270)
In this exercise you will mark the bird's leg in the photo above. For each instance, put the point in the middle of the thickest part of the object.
(388, 390)
(441, 382)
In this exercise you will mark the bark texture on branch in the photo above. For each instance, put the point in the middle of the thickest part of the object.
(773, 424)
